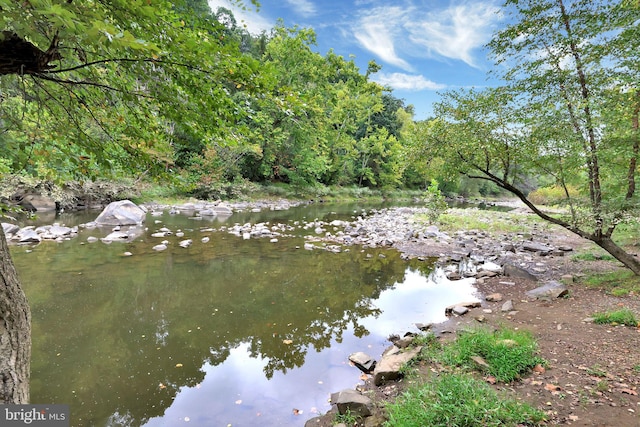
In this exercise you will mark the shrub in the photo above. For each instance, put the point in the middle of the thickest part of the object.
(552, 195)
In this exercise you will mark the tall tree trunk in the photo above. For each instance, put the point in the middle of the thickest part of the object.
(15, 332)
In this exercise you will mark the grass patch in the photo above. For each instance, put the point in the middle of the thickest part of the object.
(459, 400)
(509, 354)
(618, 317)
(488, 221)
(618, 282)
(590, 256)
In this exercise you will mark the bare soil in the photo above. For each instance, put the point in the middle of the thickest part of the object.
(593, 372)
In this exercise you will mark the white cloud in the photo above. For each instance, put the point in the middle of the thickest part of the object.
(377, 31)
(401, 81)
(456, 32)
(415, 29)
(250, 18)
(303, 7)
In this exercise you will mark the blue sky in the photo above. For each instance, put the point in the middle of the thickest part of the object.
(424, 46)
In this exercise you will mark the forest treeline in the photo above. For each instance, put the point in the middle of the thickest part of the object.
(269, 108)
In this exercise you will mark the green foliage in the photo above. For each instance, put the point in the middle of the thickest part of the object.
(459, 400)
(572, 122)
(617, 282)
(553, 195)
(348, 418)
(435, 202)
(590, 256)
(509, 354)
(623, 316)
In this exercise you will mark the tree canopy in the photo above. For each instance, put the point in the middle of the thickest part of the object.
(568, 112)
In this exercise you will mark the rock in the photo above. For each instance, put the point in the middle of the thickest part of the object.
(363, 361)
(469, 304)
(424, 326)
(507, 306)
(480, 363)
(204, 239)
(511, 270)
(494, 297)
(316, 421)
(540, 248)
(459, 310)
(548, 291)
(92, 239)
(185, 243)
(388, 369)
(222, 210)
(34, 202)
(28, 235)
(115, 236)
(567, 278)
(123, 212)
(491, 267)
(353, 402)
(160, 247)
(10, 228)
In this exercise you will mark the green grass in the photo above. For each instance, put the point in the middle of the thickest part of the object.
(459, 400)
(509, 354)
(487, 221)
(590, 256)
(616, 282)
(618, 317)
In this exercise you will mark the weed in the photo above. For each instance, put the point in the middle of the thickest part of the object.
(347, 418)
(458, 400)
(597, 371)
(602, 386)
(618, 317)
(509, 354)
(636, 368)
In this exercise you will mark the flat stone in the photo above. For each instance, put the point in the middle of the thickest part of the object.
(468, 304)
(541, 248)
(459, 310)
(352, 401)
(363, 361)
(548, 291)
(388, 369)
(511, 270)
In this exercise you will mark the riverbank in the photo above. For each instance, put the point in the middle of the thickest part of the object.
(592, 377)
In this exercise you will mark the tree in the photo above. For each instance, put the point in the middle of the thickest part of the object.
(102, 80)
(569, 110)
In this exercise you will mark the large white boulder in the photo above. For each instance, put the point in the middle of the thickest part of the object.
(123, 212)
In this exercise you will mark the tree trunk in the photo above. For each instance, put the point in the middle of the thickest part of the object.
(15, 332)
(629, 260)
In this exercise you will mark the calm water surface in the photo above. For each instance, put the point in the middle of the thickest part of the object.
(229, 332)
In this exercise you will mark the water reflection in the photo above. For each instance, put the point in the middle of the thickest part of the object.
(224, 332)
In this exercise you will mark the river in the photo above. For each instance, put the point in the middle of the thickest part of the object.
(226, 332)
